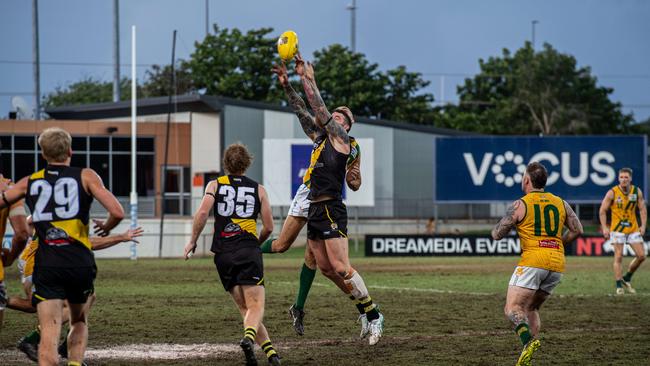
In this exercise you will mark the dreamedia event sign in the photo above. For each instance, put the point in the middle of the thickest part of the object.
(449, 245)
(476, 245)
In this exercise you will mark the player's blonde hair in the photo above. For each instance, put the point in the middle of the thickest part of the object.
(625, 170)
(237, 159)
(55, 143)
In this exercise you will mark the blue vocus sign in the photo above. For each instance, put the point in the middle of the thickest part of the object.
(581, 168)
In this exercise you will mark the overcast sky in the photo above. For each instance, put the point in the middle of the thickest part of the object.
(436, 38)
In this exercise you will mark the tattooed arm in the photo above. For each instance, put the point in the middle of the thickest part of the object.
(335, 131)
(573, 224)
(297, 104)
(515, 213)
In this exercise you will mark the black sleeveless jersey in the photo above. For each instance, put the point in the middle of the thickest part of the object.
(60, 210)
(236, 207)
(328, 168)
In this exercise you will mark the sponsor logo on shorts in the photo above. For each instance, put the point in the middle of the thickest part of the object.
(334, 226)
(549, 243)
(519, 271)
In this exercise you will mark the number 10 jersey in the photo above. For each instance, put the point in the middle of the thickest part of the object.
(540, 232)
(236, 207)
(60, 208)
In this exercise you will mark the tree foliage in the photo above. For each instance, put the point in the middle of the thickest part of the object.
(86, 91)
(535, 93)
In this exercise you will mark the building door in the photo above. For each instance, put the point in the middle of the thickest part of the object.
(177, 190)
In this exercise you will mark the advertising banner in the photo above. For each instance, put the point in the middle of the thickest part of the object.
(475, 245)
(581, 168)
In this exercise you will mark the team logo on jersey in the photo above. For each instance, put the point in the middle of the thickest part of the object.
(231, 229)
(632, 197)
(56, 236)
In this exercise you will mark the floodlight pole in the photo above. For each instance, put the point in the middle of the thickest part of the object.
(116, 51)
(36, 60)
(134, 134)
(353, 25)
(534, 22)
(207, 18)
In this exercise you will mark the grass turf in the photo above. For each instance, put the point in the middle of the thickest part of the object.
(439, 311)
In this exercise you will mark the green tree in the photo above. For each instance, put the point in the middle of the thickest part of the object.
(348, 78)
(157, 80)
(86, 91)
(235, 64)
(535, 92)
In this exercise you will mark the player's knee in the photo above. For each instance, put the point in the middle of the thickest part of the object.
(640, 257)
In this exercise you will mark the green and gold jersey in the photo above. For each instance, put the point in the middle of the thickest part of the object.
(624, 210)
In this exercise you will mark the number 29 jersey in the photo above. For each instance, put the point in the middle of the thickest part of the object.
(540, 232)
(236, 208)
(60, 210)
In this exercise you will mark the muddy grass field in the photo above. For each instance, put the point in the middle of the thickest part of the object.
(439, 311)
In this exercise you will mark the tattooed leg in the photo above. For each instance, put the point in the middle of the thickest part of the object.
(518, 301)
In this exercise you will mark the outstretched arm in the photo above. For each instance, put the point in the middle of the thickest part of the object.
(353, 176)
(573, 224)
(323, 116)
(515, 213)
(297, 104)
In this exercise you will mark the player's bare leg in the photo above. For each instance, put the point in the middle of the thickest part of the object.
(49, 318)
(290, 230)
(618, 267)
(639, 257)
(534, 320)
(337, 253)
(78, 336)
(250, 302)
(518, 301)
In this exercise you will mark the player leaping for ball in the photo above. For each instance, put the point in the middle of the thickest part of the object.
(539, 218)
(327, 220)
(299, 210)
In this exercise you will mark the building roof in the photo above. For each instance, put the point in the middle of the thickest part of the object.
(206, 104)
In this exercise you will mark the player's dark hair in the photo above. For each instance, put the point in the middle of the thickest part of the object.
(625, 170)
(237, 159)
(538, 174)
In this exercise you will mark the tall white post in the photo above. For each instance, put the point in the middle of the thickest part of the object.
(134, 134)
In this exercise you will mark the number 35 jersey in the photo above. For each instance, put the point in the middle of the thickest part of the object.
(540, 232)
(236, 207)
(60, 208)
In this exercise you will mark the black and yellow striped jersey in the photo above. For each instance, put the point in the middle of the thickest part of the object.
(60, 208)
(327, 168)
(236, 208)
(624, 210)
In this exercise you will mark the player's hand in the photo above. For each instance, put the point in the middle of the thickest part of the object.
(354, 173)
(190, 248)
(100, 228)
(281, 71)
(300, 65)
(606, 233)
(642, 230)
(309, 71)
(131, 234)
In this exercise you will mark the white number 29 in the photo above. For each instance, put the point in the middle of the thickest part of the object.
(66, 199)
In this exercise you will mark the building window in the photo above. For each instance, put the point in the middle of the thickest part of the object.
(177, 198)
(109, 156)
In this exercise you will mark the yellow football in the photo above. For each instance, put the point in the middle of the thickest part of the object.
(288, 45)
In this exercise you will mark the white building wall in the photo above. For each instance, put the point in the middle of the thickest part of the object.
(205, 148)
